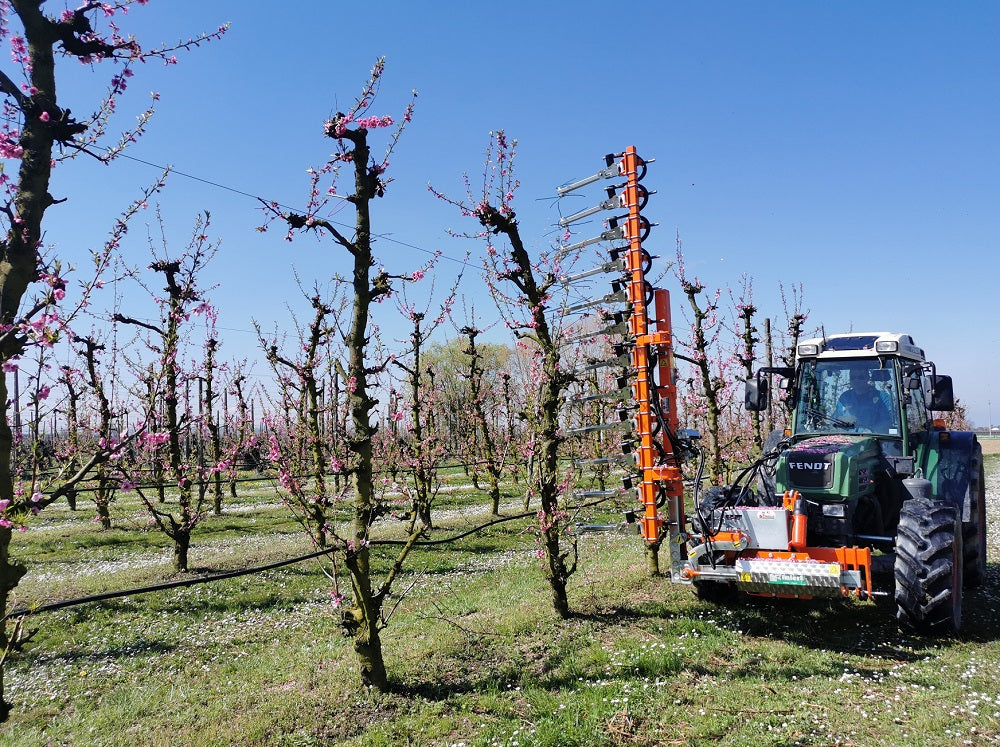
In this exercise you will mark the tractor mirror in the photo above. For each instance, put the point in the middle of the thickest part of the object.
(942, 395)
(755, 399)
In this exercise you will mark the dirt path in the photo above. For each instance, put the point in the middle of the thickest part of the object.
(990, 445)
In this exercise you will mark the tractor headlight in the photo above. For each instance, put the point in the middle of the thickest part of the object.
(836, 510)
(810, 348)
(887, 346)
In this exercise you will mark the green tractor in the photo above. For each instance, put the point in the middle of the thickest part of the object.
(864, 495)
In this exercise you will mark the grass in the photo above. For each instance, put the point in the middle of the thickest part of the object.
(475, 654)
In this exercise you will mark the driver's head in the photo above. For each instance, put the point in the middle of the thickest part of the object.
(859, 378)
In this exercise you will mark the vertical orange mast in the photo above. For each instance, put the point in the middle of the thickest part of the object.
(654, 388)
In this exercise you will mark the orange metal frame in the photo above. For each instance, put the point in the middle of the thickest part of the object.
(653, 456)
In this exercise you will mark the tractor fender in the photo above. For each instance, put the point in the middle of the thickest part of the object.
(956, 469)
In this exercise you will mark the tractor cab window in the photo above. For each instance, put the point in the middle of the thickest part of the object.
(916, 394)
(847, 396)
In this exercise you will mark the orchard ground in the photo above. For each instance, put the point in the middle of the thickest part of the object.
(475, 653)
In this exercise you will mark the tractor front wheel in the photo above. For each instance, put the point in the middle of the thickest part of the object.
(929, 567)
(716, 592)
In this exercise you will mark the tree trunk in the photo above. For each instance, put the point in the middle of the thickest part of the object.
(556, 571)
(19, 258)
(10, 572)
(653, 558)
(182, 543)
(362, 622)
(494, 493)
(366, 610)
(103, 515)
(370, 663)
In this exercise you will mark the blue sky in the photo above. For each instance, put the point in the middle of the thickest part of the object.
(850, 147)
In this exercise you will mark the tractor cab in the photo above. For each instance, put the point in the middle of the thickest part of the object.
(876, 385)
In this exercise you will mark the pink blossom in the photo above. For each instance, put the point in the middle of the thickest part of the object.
(44, 116)
(151, 440)
(371, 123)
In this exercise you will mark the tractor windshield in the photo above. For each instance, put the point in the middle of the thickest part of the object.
(847, 396)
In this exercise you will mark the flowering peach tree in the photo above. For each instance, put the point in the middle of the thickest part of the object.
(37, 132)
(522, 289)
(182, 305)
(365, 613)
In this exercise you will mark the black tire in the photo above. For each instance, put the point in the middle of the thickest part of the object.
(929, 567)
(716, 592)
(974, 530)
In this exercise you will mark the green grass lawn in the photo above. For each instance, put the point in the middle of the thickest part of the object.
(474, 651)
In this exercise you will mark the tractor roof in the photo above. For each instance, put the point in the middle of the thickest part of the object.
(860, 345)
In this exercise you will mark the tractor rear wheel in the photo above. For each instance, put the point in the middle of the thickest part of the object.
(974, 530)
(929, 567)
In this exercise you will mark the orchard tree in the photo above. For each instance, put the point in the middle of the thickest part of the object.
(522, 289)
(210, 423)
(104, 491)
(423, 449)
(711, 368)
(183, 300)
(491, 446)
(746, 352)
(301, 444)
(37, 131)
(477, 407)
(365, 615)
(243, 440)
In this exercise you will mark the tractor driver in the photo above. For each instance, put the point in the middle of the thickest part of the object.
(862, 405)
